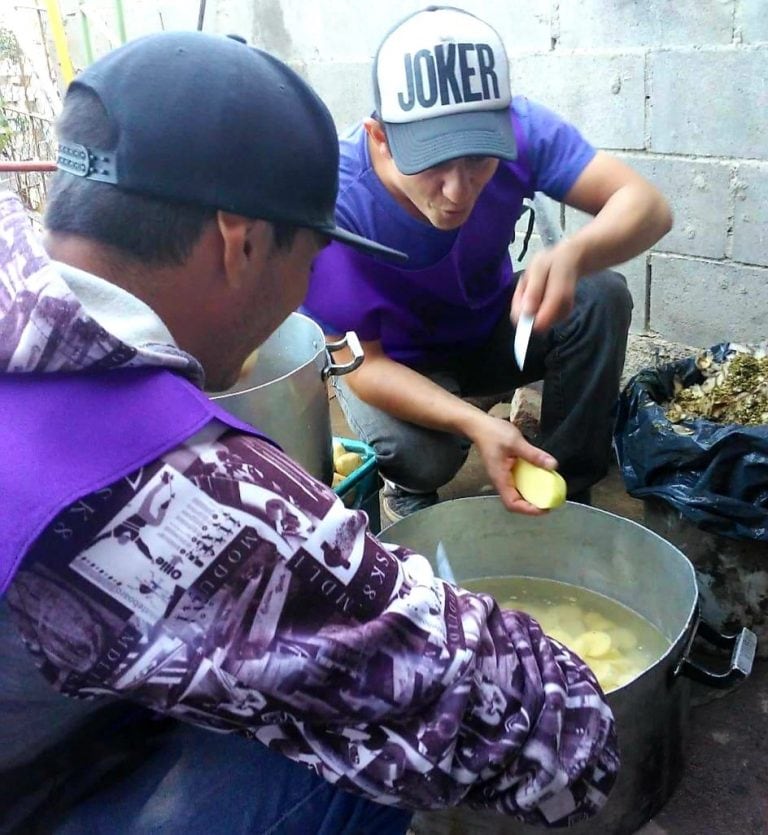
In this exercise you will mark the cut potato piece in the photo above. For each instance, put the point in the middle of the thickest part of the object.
(593, 644)
(348, 463)
(559, 635)
(338, 451)
(595, 620)
(248, 365)
(544, 489)
(337, 479)
(624, 638)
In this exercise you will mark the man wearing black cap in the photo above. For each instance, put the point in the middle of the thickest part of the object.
(441, 172)
(197, 182)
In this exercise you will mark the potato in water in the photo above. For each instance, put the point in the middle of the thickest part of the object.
(248, 365)
(616, 642)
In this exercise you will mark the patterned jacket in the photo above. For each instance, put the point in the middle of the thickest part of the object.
(222, 585)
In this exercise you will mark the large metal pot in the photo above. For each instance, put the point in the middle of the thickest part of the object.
(284, 394)
(624, 561)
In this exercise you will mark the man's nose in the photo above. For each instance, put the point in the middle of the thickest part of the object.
(457, 183)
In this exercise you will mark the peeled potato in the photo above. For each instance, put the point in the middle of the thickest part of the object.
(348, 463)
(593, 644)
(544, 489)
(560, 635)
(338, 451)
(595, 620)
(248, 365)
(624, 638)
(337, 479)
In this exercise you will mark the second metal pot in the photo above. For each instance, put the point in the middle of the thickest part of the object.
(284, 394)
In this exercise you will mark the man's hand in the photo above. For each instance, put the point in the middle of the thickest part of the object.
(629, 215)
(499, 443)
(547, 289)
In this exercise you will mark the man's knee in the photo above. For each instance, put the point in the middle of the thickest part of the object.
(614, 293)
(606, 300)
(425, 465)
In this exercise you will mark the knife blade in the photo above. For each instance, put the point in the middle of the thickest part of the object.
(522, 338)
(444, 570)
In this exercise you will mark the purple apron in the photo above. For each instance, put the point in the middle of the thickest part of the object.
(65, 436)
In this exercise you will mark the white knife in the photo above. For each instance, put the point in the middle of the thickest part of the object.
(523, 337)
(444, 570)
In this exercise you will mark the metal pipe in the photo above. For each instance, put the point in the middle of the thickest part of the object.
(86, 29)
(27, 166)
(120, 20)
(60, 41)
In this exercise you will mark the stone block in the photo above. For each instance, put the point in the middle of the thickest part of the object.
(652, 23)
(602, 94)
(752, 21)
(699, 194)
(636, 273)
(634, 270)
(750, 216)
(701, 303)
(348, 30)
(344, 87)
(709, 103)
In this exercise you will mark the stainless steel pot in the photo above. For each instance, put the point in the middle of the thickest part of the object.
(284, 394)
(624, 561)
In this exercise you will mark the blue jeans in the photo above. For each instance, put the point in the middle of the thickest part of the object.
(580, 362)
(198, 781)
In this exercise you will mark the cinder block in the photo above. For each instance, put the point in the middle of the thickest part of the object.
(705, 302)
(592, 24)
(752, 20)
(344, 87)
(348, 30)
(711, 103)
(634, 270)
(697, 191)
(750, 217)
(602, 94)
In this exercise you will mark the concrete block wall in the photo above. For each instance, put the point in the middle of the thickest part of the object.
(678, 90)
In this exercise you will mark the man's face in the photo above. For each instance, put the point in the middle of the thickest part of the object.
(446, 194)
(277, 287)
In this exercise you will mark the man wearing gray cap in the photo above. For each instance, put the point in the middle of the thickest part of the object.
(440, 172)
(144, 569)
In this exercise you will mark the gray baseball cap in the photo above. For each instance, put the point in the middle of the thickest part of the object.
(441, 87)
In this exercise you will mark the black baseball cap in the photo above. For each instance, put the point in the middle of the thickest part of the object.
(208, 120)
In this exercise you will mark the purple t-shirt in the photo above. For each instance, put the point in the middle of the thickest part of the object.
(456, 284)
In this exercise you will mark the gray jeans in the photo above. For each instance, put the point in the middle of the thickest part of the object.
(580, 362)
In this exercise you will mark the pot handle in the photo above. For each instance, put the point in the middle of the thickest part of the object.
(742, 646)
(350, 341)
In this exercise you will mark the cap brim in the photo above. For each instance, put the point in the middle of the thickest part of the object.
(416, 146)
(364, 244)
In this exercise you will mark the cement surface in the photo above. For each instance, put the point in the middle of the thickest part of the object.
(724, 787)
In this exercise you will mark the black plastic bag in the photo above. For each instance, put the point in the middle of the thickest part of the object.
(716, 476)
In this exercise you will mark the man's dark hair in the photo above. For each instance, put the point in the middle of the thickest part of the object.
(146, 229)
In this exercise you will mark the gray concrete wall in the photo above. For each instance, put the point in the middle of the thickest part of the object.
(676, 88)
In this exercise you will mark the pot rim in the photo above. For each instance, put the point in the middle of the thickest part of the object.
(235, 391)
(691, 615)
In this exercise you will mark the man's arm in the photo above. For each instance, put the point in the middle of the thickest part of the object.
(410, 396)
(299, 628)
(630, 215)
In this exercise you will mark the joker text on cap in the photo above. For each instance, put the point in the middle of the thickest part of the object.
(441, 84)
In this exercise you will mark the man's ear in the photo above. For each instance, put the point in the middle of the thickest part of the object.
(378, 137)
(245, 242)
